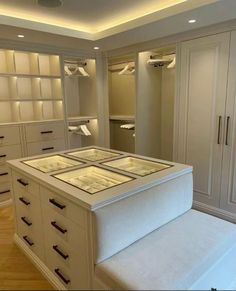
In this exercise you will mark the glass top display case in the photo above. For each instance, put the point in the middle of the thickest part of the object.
(52, 163)
(93, 155)
(137, 166)
(92, 179)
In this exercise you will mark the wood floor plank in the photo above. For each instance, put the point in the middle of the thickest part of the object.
(16, 271)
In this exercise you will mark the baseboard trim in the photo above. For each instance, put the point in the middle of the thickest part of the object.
(39, 264)
(5, 203)
(214, 211)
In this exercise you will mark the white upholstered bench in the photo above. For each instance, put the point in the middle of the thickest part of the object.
(194, 251)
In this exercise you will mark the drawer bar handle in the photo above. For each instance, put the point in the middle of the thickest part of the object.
(46, 149)
(4, 192)
(22, 182)
(54, 202)
(26, 221)
(4, 174)
(29, 242)
(48, 131)
(24, 201)
(55, 247)
(3, 156)
(54, 224)
(58, 272)
(2, 136)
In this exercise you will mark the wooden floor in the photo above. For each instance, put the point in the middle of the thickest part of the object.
(16, 271)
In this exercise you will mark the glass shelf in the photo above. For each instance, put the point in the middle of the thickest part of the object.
(92, 179)
(137, 166)
(93, 155)
(52, 163)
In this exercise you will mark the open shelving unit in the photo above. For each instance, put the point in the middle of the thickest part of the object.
(122, 99)
(81, 99)
(30, 87)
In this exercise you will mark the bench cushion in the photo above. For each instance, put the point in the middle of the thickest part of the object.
(173, 257)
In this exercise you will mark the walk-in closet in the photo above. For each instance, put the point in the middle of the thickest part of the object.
(122, 100)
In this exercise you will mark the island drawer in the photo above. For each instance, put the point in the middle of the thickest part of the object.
(25, 184)
(62, 206)
(63, 228)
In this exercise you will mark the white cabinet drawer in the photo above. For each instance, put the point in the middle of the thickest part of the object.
(9, 153)
(61, 227)
(45, 132)
(45, 147)
(4, 174)
(23, 184)
(63, 206)
(35, 243)
(5, 192)
(9, 135)
(72, 265)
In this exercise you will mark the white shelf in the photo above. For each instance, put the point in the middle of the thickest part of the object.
(30, 76)
(81, 118)
(22, 100)
(122, 117)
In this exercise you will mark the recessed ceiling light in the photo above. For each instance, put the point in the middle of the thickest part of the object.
(50, 3)
(96, 48)
(20, 35)
(192, 21)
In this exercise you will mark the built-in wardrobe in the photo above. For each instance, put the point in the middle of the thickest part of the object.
(206, 120)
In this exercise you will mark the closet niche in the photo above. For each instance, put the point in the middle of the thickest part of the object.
(121, 76)
(81, 101)
(155, 103)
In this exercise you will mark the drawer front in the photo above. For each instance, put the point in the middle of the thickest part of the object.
(9, 153)
(23, 185)
(9, 135)
(68, 263)
(35, 243)
(5, 191)
(4, 174)
(45, 132)
(62, 228)
(62, 206)
(45, 147)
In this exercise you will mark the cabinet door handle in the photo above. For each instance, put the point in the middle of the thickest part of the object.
(64, 256)
(47, 131)
(3, 156)
(22, 182)
(219, 129)
(46, 149)
(24, 201)
(57, 204)
(26, 221)
(54, 224)
(4, 192)
(2, 137)
(3, 174)
(29, 242)
(227, 130)
(58, 272)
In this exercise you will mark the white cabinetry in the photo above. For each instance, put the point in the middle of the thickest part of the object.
(206, 126)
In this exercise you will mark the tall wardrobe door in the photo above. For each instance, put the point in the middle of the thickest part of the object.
(228, 189)
(203, 82)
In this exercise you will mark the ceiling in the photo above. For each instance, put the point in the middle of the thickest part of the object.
(79, 25)
(91, 19)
